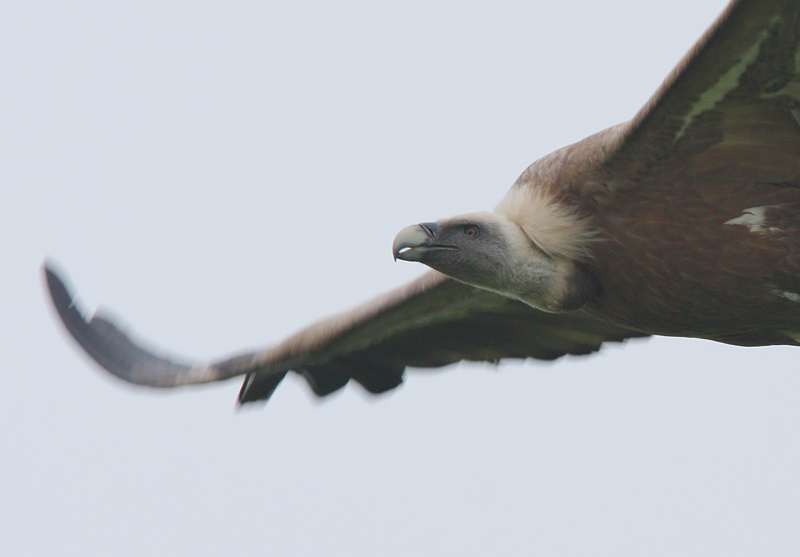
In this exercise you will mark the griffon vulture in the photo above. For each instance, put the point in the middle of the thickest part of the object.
(684, 221)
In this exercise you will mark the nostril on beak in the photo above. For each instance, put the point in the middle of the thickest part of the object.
(430, 228)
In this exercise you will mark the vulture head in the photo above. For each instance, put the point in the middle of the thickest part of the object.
(537, 252)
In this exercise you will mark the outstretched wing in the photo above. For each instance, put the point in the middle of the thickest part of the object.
(730, 110)
(724, 122)
(431, 322)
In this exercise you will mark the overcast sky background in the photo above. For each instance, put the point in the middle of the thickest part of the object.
(222, 174)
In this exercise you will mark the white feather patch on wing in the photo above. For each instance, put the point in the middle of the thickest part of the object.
(555, 228)
(755, 219)
(792, 296)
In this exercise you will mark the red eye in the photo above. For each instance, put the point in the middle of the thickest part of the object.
(471, 231)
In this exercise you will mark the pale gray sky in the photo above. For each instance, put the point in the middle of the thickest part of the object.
(222, 174)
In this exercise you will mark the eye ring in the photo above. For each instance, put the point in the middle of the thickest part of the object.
(471, 231)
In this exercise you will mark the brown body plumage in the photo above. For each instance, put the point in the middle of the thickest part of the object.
(668, 262)
(684, 221)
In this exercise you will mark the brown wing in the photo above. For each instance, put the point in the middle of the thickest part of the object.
(730, 109)
(431, 322)
(728, 113)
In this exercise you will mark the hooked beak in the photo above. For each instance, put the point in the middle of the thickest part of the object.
(412, 242)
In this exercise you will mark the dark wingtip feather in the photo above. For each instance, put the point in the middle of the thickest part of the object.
(107, 345)
(64, 304)
(101, 340)
(62, 299)
(259, 387)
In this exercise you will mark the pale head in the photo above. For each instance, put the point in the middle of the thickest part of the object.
(490, 250)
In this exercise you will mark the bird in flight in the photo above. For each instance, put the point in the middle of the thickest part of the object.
(683, 221)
